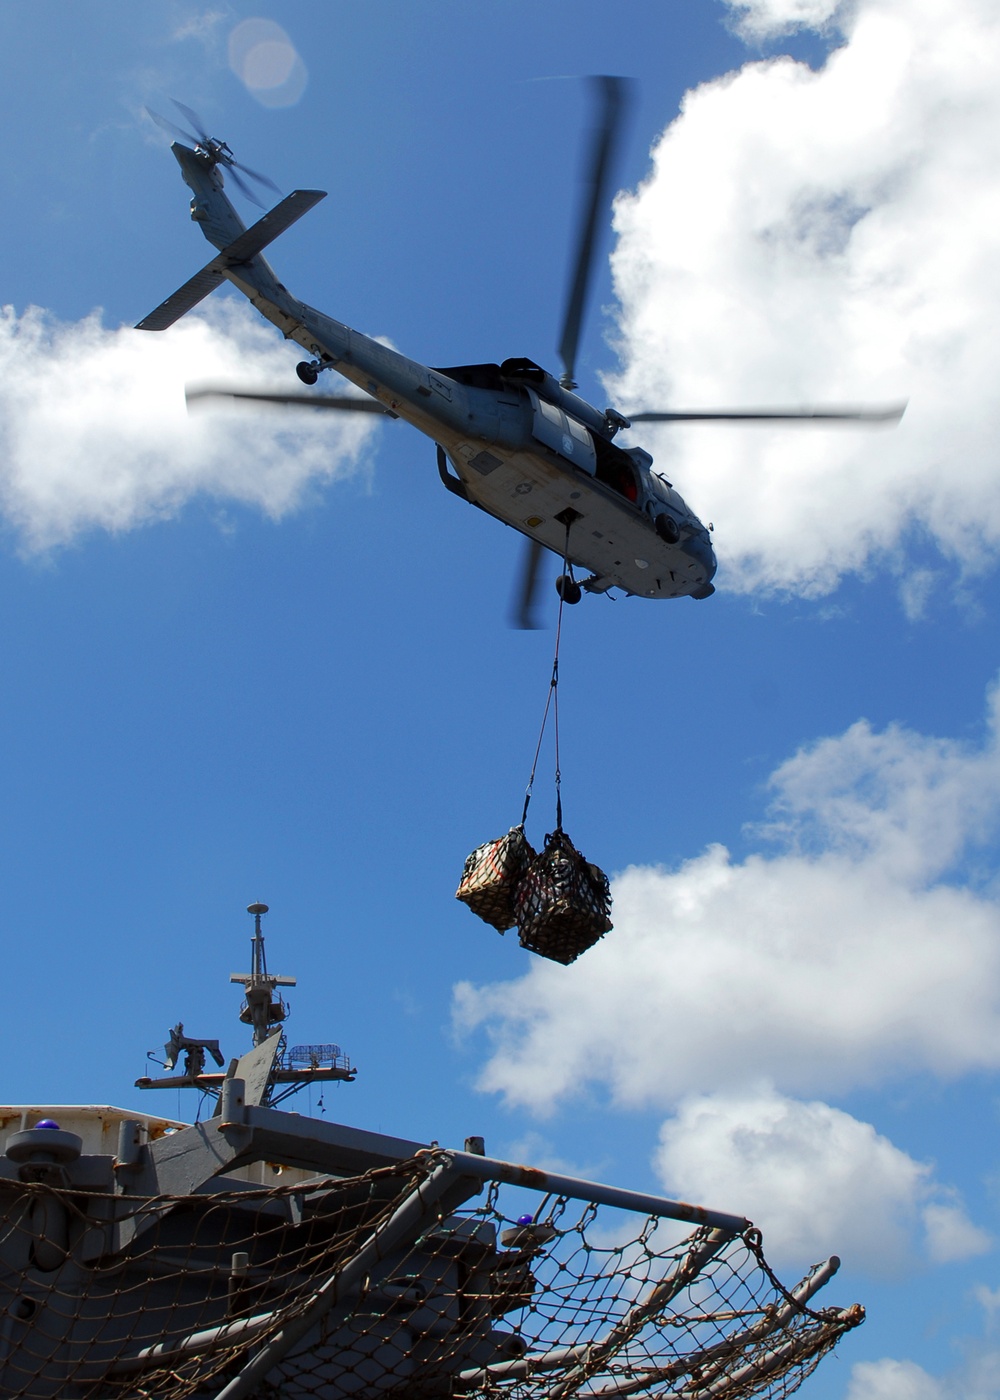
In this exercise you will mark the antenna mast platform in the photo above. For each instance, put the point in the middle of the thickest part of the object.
(265, 1011)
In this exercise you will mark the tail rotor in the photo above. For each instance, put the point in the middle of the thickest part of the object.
(218, 152)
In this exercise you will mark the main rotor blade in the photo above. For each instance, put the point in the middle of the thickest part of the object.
(610, 94)
(193, 118)
(170, 127)
(233, 172)
(889, 413)
(523, 613)
(346, 403)
(256, 175)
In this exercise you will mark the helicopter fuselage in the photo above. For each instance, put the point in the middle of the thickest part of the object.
(528, 461)
(520, 446)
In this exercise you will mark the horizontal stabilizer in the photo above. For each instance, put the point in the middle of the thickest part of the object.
(182, 300)
(241, 250)
(267, 229)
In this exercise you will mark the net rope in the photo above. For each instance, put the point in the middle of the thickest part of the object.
(112, 1297)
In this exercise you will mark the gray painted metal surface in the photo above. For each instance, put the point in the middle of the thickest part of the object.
(114, 1269)
(188, 1160)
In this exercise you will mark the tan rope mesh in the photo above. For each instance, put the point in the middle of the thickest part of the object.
(585, 1301)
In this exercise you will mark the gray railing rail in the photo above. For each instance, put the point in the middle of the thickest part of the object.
(493, 1169)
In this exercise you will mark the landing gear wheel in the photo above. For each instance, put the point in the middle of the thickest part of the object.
(307, 373)
(568, 589)
(667, 529)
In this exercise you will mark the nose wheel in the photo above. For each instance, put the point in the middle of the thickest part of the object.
(667, 528)
(568, 589)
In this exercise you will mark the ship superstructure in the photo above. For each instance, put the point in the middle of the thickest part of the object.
(263, 1254)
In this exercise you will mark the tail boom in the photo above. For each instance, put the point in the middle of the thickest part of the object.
(402, 386)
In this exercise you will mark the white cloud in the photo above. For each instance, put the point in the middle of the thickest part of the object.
(760, 19)
(892, 1380)
(977, 1378)
(828, 236)
(94, 431)
(989, 1301)
(909, 802)
(819, 973)
(200, 24)
(844, 959)
(810, 1176)
(729, 991)
(533, 1147)
(951, 1235)
(916, 588)
(814, 1179)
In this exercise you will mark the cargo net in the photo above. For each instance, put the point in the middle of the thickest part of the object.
(559, 900)
(368, 1288)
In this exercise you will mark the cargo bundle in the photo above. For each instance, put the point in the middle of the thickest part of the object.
(563, 902)
(559, 902)
(492, 875)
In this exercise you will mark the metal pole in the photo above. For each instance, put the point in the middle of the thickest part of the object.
(492, 1169)
(258, 1009)
(523, 1367)
(170, 1353)
(801, 1294)
(405, 1219)
(796, 1348)
(722, 1352)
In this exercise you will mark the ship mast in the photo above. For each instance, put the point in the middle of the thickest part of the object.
(263, 1009)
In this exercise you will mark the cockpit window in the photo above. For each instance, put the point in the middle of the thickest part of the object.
(662, 488)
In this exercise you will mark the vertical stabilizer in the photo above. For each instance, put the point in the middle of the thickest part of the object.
(210, 206)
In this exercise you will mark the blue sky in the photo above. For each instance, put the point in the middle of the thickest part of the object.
(247, 657)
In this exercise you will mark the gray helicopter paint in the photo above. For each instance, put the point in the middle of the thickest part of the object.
(541, 443)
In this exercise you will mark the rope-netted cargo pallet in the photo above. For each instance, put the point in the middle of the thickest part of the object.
(448, 1274)
(559, 901)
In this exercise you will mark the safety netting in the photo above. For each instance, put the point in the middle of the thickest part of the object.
(404, 1281)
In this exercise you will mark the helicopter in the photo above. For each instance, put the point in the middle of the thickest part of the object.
(510, 438)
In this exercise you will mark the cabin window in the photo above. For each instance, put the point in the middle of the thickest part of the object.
(616, 469)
